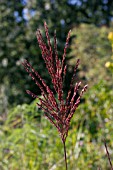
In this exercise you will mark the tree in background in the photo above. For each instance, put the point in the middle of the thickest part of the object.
(19, 21)
(92, 46)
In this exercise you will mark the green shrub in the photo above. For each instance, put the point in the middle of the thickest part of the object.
(29, 142)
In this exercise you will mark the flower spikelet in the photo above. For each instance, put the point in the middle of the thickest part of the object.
(59, 112)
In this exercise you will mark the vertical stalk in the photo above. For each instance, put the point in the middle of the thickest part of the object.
(108, 155)
(65, 155)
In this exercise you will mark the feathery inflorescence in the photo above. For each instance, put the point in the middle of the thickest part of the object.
(59, 112)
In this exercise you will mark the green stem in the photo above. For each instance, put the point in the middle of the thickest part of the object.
(65, 156)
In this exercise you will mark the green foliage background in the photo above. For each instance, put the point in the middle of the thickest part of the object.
(27, 140)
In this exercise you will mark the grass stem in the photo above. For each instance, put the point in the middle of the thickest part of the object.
(65, 155)
(108, 155)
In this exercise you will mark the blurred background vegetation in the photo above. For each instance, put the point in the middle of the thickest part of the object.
(27, 140)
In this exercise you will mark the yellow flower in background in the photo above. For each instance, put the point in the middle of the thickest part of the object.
(107, 64)
(110, 36)
(110, 64)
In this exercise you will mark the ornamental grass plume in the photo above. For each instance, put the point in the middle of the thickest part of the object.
(59, 112)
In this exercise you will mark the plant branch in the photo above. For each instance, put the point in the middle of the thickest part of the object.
(108, 155)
